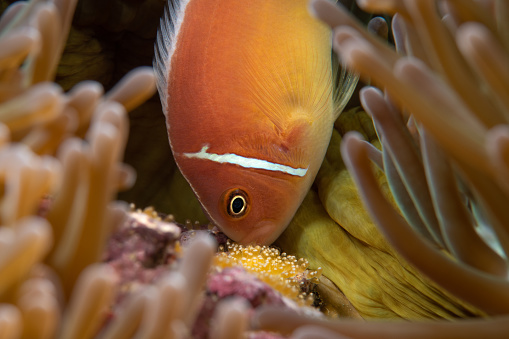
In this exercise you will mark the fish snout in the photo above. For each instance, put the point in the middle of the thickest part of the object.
(265, 232)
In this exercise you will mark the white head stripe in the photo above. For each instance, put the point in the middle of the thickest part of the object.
(235, 159)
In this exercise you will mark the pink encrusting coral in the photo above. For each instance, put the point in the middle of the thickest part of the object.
(141, 250)
(147, 255)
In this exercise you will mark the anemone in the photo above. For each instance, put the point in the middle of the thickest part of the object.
(441, 119)
(64, 149)
(445, 163)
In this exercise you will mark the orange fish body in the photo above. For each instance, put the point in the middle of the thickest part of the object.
(247, 88)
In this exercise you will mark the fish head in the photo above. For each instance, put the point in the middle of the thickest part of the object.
(251, 206)
(252, 211)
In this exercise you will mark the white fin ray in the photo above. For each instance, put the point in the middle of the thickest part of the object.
(255, 163)
(345, 82)
(166, 43)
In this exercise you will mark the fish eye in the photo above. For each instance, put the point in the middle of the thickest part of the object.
(236, 203)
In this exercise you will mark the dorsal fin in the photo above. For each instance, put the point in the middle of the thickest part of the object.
(166, 42)
(345, 82)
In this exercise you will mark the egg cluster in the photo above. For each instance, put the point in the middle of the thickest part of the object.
(285, 273)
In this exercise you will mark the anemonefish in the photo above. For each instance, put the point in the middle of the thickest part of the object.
(250, 95)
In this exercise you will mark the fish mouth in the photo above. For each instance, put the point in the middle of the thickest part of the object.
(264, 233)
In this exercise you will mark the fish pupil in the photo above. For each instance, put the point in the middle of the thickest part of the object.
(237, 205)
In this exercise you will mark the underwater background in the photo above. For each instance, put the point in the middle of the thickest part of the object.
(355, 271)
